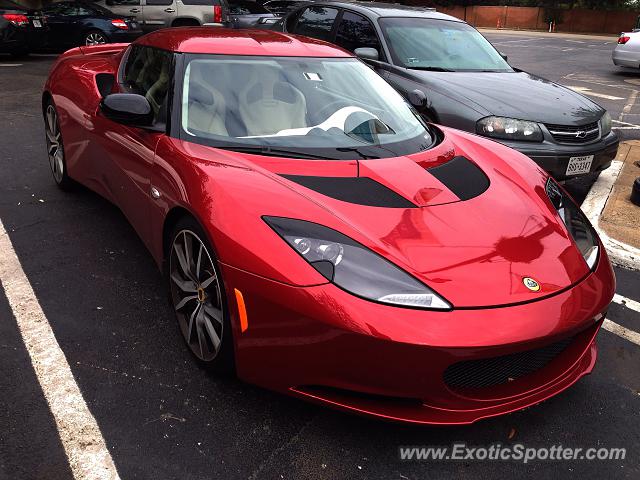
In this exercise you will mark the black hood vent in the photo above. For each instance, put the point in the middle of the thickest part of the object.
(462, 177)
(358, 190)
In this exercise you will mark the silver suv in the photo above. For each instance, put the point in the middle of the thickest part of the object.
(154, 14)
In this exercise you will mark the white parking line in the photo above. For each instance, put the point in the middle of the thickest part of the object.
(10, 64)
(621, 331)
(627, 302)
(587, 91)
(80, 435)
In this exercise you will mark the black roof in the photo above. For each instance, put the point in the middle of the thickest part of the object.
(379, 9)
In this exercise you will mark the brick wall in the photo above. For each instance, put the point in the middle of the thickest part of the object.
(533, 18)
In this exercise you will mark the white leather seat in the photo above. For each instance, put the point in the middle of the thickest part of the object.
(206, 106)
(268, 105)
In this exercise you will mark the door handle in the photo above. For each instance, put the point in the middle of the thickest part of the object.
(135, 10)
(169, 10)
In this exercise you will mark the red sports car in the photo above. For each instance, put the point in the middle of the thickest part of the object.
(319, 238)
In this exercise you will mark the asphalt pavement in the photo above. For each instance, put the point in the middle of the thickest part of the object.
(162, 417)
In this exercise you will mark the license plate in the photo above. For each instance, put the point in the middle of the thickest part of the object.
(133, 24)
(37, 23)
(579, 165)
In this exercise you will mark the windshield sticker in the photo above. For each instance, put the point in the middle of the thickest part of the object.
(314, 77)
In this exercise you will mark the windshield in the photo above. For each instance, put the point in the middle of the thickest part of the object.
(325, 107)
(424, 43)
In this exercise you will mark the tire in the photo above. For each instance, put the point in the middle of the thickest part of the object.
(94, 37)
(200, 307)
(55, 148)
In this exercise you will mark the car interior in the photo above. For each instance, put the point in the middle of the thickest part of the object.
(271, 99)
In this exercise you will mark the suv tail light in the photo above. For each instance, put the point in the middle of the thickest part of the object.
(217, 14)
(623, 39)
(119, 23)
(16, 19)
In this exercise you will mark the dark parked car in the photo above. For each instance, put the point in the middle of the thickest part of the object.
(281, 7)
(250, 15)
(21, 29)
(455, 77)
(82, 23)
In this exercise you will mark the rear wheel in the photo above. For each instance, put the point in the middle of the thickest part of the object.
(94, 37)
(198, 298)
(55, 148)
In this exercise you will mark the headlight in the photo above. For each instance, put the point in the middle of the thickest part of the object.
(605, 124)
(577, 224)
(509, 129)
(353, 267)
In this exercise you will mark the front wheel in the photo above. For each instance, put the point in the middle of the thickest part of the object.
(94, 37)
(55, 148)
(198, 298)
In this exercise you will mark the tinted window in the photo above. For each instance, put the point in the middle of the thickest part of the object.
(159, 2)
(148, 73)
(123, 2)
(246, 8)
(355, 31)
(316, 22)
(62, 9)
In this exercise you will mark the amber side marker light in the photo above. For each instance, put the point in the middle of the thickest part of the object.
(242, 311)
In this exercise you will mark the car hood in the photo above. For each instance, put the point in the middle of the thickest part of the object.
(514, 94)
(474, 252)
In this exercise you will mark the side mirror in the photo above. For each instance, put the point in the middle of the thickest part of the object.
(418, 99)
(128, 109)
(366, 53)
(504, 56)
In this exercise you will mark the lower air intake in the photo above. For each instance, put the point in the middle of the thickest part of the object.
(489, 372)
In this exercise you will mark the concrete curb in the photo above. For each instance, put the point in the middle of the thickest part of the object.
(620, 253)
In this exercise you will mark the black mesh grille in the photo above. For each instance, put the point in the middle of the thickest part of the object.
(489, 372)
(571, 134)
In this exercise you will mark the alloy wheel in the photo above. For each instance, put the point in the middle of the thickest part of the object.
(94, 38)
(55, 149)
(196, 295)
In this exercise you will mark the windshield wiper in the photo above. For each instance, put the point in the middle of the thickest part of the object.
(431, 69)
(271, 152)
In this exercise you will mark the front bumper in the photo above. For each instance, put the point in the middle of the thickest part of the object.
(554, 157)
(325, 345)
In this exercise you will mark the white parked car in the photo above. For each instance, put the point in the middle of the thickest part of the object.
(627, 52)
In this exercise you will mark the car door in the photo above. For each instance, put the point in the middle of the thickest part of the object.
(314, 21)
(127, 151)
(125, 8)
(158, 14)
(62, 22)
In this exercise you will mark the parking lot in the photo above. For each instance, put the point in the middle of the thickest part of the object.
(162, 417)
